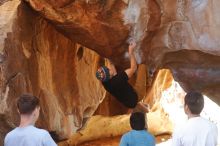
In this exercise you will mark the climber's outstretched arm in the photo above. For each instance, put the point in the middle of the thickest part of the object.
(133, 63)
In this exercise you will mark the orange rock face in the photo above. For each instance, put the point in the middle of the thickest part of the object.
(180, 35)
(37, 59)
(40, 53)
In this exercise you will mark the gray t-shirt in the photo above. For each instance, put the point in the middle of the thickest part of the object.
(28, 136)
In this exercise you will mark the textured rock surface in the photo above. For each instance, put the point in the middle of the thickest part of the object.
(171, 28)
(115, 126)
(39, 60)
(43, 56)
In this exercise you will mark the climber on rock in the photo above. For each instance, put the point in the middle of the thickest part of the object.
(116, 83)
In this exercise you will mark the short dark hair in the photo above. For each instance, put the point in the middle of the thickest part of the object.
(27, 103)
(137, 121)
(195, 102)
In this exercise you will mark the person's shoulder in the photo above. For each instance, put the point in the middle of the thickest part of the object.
(151, 138)
(43, 131)
(149, 134)
(208, 122)
(45, 137)
(127, 134)
(39, 131)
(179, 131)
(9, 134)
(211, 124)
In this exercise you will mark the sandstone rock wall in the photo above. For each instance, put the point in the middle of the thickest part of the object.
(40, 53)
(37, 59)
(103, 127)
(184, 27)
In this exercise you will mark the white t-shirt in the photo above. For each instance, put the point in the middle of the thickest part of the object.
(28, 136)
(196, 132)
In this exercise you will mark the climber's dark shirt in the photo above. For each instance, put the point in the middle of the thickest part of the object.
(119, 87)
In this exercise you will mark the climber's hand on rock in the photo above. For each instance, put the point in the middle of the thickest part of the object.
(131, 47)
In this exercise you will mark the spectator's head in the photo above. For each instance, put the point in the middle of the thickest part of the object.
(137, 121)
(28, 105)
(103, 74)
(194, 102)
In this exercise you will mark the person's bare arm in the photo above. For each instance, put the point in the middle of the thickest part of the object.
(111, 68)
(133, 63)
